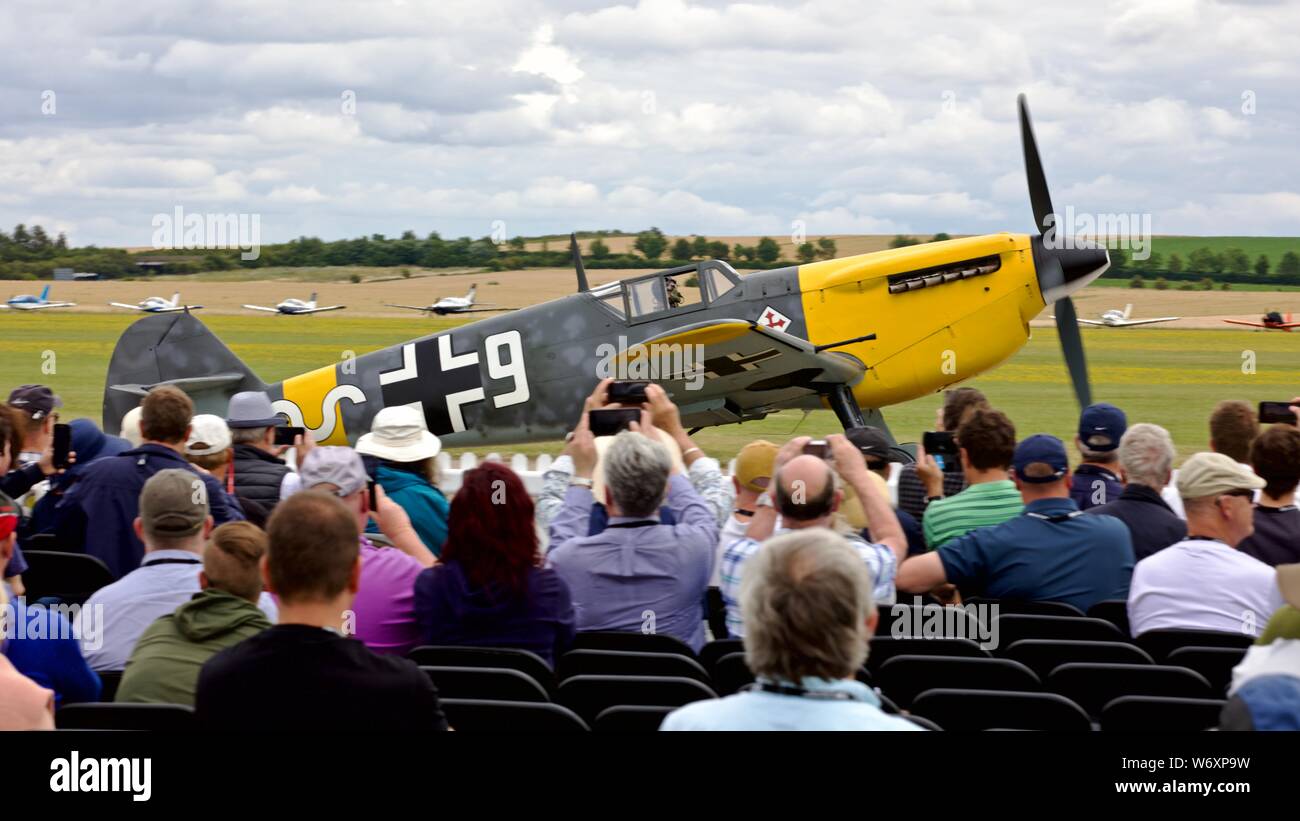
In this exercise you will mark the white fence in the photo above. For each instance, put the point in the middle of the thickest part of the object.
(451, 468)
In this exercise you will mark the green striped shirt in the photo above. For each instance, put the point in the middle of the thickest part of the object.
(982, 505)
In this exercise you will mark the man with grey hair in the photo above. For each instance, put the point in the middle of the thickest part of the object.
(637, 575)
(808, 611)
(1146, 455)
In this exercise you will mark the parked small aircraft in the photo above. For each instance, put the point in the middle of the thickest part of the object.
(454, 305)
(296, 306)
(1116, 318)
(158, 305)
(28, 302)
(1271, 321)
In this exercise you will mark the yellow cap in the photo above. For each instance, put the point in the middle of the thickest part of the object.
(754, 465)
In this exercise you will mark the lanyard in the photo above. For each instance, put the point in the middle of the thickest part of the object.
(801, 692)
(170, 561)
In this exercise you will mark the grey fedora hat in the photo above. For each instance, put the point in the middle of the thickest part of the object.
(252, 409)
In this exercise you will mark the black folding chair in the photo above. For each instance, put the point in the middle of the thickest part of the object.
(631, 642)
(513, 717)
(716, 649)
(1093, 686)
(883, 648)
(631, 718)
(1160, 643)
(731, 673)
(589, 695)
(69, 577)
(1045, 655)
(485, 683)
(903, 678)
(1114, 611)
(924, 723)
(1157, 714)
(971, 710)
(715, 613)
(1215, 663)
(157, 718)
(1029, 608)
(110, 680)
(524, 661)
(1013, 627)
(624, 663)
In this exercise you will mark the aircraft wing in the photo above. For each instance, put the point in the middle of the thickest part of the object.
(477, 310)
(318, 310)
(742, 371)
(124, 305)
(1247, 324)
(176, 310)
(1130, 322)
(410, 307)
(262, 308)
(1082, 321)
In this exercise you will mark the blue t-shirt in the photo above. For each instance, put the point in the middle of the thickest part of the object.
(44, 649)
(1048, 553)
(1094, 486)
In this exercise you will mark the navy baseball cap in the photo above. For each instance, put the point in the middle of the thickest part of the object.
(1040, 459)
(1101, 426)
(37, 401)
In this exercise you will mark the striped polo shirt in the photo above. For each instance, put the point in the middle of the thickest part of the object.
(981, 505)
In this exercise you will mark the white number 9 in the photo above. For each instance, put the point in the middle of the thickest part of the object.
(514, 369)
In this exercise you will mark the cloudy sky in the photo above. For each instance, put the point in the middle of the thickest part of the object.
(340, 117)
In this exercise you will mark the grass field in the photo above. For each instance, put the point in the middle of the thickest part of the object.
(1171, 377)
(1271, 247)
(1173, 286)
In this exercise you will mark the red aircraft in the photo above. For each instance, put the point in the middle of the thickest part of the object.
(1270, 321)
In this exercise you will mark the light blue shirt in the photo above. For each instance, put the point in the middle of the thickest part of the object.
(648, 577)
(112, 620)
(857, 709)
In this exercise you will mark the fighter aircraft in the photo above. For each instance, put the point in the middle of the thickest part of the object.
(158, 305)
(296, 306)
(1116, 318)
(454, 305)
(1271, 321)
(853, 334)
(28, 302)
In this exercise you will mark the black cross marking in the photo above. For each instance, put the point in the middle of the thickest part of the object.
(734, 363)
(430, 386)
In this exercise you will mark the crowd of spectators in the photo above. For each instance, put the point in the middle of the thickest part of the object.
(268, 592)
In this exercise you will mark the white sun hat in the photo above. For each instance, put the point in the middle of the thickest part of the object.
(399, 434)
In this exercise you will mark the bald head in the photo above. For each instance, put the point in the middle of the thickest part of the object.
(805, 490)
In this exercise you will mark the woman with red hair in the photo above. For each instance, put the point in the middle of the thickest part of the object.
(490, 589)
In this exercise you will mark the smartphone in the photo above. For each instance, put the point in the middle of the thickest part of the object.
(62, 444)
(286, 435)
(627, 393)
(818, 448)
(609, 421)
(373, 495)
(939, 443)
(1273, 412)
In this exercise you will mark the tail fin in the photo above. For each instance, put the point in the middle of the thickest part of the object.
(173, 349)
(312, 298)
(176, 298)
(45, 293)
(473, 289)
(1128, 310)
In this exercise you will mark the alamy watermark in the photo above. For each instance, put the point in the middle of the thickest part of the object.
(655, 361)
(1070, 229)
(209, 231)
(977, 622)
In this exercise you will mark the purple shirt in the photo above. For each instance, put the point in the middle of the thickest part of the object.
(638, 575)
(385, 603)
